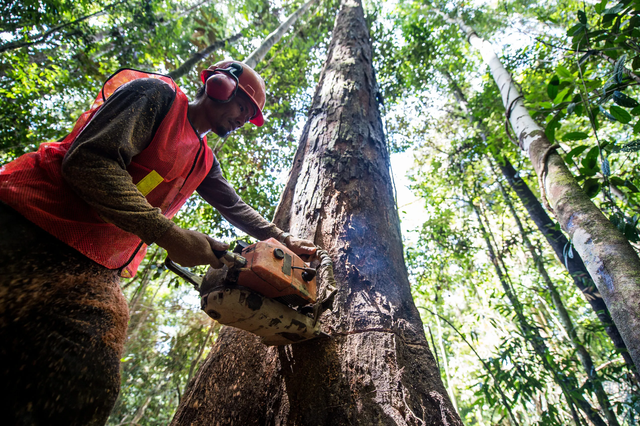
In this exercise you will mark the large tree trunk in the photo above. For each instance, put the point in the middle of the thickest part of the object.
(376, 368)
(611, 261)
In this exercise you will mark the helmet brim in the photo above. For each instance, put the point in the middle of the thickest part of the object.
(258, 120)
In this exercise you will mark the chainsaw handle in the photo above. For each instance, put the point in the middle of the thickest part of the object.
(220, 253)
(184, 273)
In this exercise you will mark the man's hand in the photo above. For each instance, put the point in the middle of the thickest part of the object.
(191, 248)
(303, 248)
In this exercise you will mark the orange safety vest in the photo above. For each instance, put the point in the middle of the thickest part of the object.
(167, 172)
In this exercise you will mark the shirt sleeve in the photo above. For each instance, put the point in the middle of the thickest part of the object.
(96, 164)
(218, 192)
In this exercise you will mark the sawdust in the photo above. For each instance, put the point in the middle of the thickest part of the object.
(63, 323)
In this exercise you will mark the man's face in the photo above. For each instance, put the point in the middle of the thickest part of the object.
(233, 114)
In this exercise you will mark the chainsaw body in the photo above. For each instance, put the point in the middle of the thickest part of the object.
(264, 288)
(277, 273)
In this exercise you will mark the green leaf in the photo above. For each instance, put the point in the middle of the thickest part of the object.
(573, 153)
(614, 10)
(591, 187)
(624, 100)
(632, 146)
(620, 114)
(590, 161)
(582, 17)
(584, 57)
(635, 111)
(615, 180)
(575, 30)
(571, 107)
(634, 189)
(563, 72)
(601, 6)
(550, 132)
(618, 68)
(552, 87)
(563, 94)
(635, 64)
(606, 113)
(636, 127)
(575, 136)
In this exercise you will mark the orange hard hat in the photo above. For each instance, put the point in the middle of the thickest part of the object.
(249, 82)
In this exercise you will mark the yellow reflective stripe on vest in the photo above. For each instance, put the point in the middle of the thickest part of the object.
(149, 182)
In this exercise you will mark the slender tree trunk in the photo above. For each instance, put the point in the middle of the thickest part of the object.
(214, 327)
(569, 387)
(505, 401)
(565, 318)
(611, 261)
(188, 65)
(377, 367)
(554, 237)
(259, 54)
(575, 266)
(445, 364)
(255, 57)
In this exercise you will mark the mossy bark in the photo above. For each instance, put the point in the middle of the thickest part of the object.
(377, 367)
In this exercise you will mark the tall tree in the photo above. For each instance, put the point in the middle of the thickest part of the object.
(377, 367)
(565, 318)
(556, 239)
(612, 263)
(568, 385)
(259, 54)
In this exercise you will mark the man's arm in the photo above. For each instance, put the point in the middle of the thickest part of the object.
(95, 167)
(96, 164)
(217, 191)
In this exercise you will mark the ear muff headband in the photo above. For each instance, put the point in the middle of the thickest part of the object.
(223, 83)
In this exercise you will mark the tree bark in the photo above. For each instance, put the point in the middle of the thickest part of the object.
(377, 367)
(575, 266)
(611, 261)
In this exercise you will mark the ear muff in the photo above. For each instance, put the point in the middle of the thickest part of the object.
(222, 85)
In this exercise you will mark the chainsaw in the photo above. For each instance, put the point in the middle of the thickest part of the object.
(266, 289)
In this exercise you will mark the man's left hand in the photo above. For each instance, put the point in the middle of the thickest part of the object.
(303, 248)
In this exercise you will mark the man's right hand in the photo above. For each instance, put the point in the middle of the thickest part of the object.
(191, 248)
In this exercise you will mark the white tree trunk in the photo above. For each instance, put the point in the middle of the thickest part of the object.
(608, 256)
(259, 54)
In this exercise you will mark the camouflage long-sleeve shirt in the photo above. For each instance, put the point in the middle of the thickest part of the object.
(95, 166)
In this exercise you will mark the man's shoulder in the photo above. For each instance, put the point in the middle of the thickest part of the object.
(151, 87)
